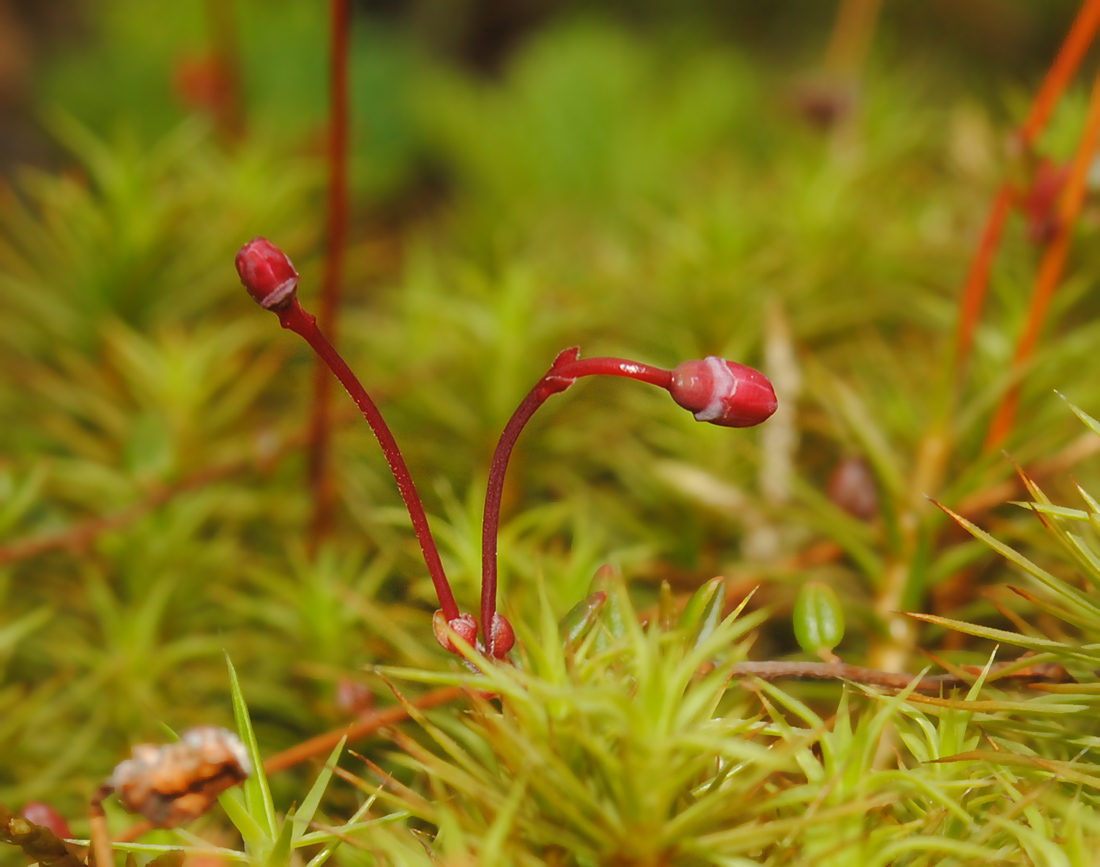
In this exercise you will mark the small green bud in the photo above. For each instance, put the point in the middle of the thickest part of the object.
(818, 619)
(704, 610)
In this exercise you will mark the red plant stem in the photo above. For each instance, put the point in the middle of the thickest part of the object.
(228, 109)
(1061, 72)
(558, 378)
(1050, 92)
(837, 670)
(851, 36)
(613, 367)
(320, 475)
(304, 325)
(977, 280)
(1051, 267)
(324, 743)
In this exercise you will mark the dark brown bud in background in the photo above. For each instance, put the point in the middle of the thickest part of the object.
(723, 392)
(267, 274)
(852, 487)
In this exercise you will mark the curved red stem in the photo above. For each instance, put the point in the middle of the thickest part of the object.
(304, 324)
(564, 372)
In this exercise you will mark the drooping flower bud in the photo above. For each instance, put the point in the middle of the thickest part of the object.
(464, 626)
(723, 392)
(267, 274)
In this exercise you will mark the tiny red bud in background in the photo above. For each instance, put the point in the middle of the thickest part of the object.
(1040, 202)
(267, 274)
(464, 626)
(43, 814)
(354, 697)
(852, 487)
(723, 392)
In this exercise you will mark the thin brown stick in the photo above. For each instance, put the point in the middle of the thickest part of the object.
(324, 743)
(837, 670)
(996, 495)
(368, 725)
(82, 534)
(851, 37)
(101, 836)
(1051, 267)
(320, 475)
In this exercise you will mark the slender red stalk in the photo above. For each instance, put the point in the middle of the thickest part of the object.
(320, 475)
(1050, 92)
(228, 110)
(1061, 72)
(977, 280)
(304, 325)
(851, 37)
(566, 369)
(1051, 267)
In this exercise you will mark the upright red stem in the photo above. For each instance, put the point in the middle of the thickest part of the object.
(1061, 72)
(1051, 267)
(228, 110)
(320, 476)
(977, 279)
(304, 324)
(1050, 92)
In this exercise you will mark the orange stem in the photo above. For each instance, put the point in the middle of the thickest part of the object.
(1051, 267)
(1061, 72)
(977, 280)
(851, 37)
(379, 719)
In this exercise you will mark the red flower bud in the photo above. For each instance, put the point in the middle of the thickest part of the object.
(267, 274)
(464, 626)
(503, 636)
(723, 392)
(43, 814)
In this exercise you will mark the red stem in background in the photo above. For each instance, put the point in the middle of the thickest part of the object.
(566, 370)
(977, 280)
(1058, 77)
(320, 475)
(228, 109)
(1051, 267)
(304, 324)
(1061, 72)
(851, 37)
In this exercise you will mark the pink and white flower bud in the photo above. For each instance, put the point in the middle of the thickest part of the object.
(723, 392)
(464, 626)
(267, 274)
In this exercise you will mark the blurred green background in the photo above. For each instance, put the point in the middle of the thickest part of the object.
(649, 179)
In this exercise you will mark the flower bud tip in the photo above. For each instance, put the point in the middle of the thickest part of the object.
(267, 273)
(723, 392)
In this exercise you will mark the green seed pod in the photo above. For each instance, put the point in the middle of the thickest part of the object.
(582, 617)
(818, 619)
(704, 610)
